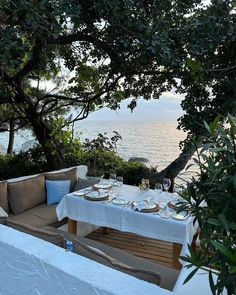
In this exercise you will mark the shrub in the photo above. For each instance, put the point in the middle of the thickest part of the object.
(216, 188)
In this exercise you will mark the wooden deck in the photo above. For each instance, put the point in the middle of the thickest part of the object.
(151, 249)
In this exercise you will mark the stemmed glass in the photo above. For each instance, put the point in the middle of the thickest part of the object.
(119, 182)
(166, 184)
(112, 178)
(158, 190)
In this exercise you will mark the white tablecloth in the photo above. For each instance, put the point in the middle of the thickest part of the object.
(128, 220)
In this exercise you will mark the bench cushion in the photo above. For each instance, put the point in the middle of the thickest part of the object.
(66, 175)
(168, 275)
(39, 216)
(49, 236)
(3, 196)
(26, 194)
(102, 257)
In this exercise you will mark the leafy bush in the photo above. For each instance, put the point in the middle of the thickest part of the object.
(98, 154)
(216, 188)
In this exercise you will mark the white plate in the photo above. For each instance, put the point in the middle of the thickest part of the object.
(145, 205)
(94, 195)
(102, 186)
(80, 194)
(119, 201)
(179, 217)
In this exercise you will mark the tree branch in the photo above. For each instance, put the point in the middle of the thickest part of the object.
(84, 37)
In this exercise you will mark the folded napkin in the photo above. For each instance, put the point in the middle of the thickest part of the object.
(143, 204)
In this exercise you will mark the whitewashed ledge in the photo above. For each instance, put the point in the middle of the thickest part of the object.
(32, 266)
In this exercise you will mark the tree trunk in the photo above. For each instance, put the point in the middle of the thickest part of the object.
(50, 146)
(172, 170)
(11, 137)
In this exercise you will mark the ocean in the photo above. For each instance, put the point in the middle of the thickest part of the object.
(158, 142)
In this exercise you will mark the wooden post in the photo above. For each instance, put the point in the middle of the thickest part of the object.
(175, 255)
(72, 226)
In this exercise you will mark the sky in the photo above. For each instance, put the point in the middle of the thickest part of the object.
(167, 108)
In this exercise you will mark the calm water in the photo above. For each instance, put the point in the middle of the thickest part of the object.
(156, 141)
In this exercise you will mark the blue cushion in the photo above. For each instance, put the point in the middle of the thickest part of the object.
(56, 189)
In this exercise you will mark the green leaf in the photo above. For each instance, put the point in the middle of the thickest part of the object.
(215, 123)
(213, 221)
(224, 221)
(212, 285)
(190, 275)
(225, 251)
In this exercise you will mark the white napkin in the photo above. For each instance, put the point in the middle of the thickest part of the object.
(143, 204)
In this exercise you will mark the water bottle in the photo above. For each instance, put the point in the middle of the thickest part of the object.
(69, 246)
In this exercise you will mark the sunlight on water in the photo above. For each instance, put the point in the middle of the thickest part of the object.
(156, 141)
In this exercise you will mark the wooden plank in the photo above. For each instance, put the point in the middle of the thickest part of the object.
(129, 245)
(125, 236)
(154, 250)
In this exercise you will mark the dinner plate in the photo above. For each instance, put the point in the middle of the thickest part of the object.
(80, 194)
(119, 201)
(180, 217)
(146, 207)
(96, 196)
(102, 186)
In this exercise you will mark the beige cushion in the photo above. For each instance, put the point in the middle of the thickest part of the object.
(66, 175)
(101, 257)
(54, 238)
(26, 194)
(168, 275)
(3, 196)
(39, 216)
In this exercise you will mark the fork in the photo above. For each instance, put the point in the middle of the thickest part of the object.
(125, 206)
(109, 200)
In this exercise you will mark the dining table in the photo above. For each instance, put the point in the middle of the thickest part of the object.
(120, 211)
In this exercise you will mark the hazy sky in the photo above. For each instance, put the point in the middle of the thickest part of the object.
(167, 108)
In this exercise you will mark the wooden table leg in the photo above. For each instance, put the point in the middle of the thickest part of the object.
(175, 255)
(106, 230)
(72, 226)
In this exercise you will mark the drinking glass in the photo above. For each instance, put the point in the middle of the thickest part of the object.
(112, 178)
(119, 180)
(166, 184)
(158, 189)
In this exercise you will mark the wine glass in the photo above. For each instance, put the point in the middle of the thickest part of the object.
(166, 184)
(119, 180)
(158, 190)
(112, 178)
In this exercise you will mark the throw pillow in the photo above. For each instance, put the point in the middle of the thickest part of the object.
(83, 183)
(56, 189)
(26, 194)
(64, 175)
